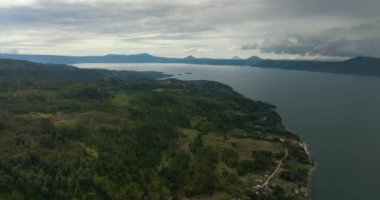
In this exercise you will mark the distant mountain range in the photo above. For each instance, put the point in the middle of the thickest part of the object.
(354, 66)
(112, 58)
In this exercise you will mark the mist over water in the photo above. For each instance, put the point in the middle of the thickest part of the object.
(337, 115)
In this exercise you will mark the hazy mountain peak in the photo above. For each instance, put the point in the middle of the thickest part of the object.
(190, 57)
(254, 58)
(362, 59)
(144, 54)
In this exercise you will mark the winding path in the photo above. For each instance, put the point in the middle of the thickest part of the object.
(276, 170)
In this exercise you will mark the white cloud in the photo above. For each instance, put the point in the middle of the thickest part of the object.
(13, 3)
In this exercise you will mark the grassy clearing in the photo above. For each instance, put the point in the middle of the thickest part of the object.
(242, 146)
(92, 153)
(222, 196)
(37, 115)
(188, 137)
(121, 100)
(190, 133)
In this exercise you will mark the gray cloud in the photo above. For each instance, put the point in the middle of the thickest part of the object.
(262, 27)
(325, 47)
(9, 51)
(360, 40)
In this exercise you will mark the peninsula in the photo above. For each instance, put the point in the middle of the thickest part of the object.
(70, 133)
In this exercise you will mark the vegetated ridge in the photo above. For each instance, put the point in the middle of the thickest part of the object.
(69, 133)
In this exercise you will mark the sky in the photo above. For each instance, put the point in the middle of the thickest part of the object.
(283, 29)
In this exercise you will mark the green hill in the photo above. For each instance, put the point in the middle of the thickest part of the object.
(69, 133)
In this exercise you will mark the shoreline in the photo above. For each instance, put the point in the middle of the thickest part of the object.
(312, 171)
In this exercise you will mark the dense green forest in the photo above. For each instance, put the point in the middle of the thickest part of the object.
(69, 133)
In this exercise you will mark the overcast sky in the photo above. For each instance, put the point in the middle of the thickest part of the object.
(203, 28)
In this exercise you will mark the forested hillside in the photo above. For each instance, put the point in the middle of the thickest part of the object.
(22, 70)
(69, 133)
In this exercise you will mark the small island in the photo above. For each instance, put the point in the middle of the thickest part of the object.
(70, 133)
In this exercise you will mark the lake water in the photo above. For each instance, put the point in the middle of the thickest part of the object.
(337, 115)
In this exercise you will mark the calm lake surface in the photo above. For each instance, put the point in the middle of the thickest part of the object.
(337, 115)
